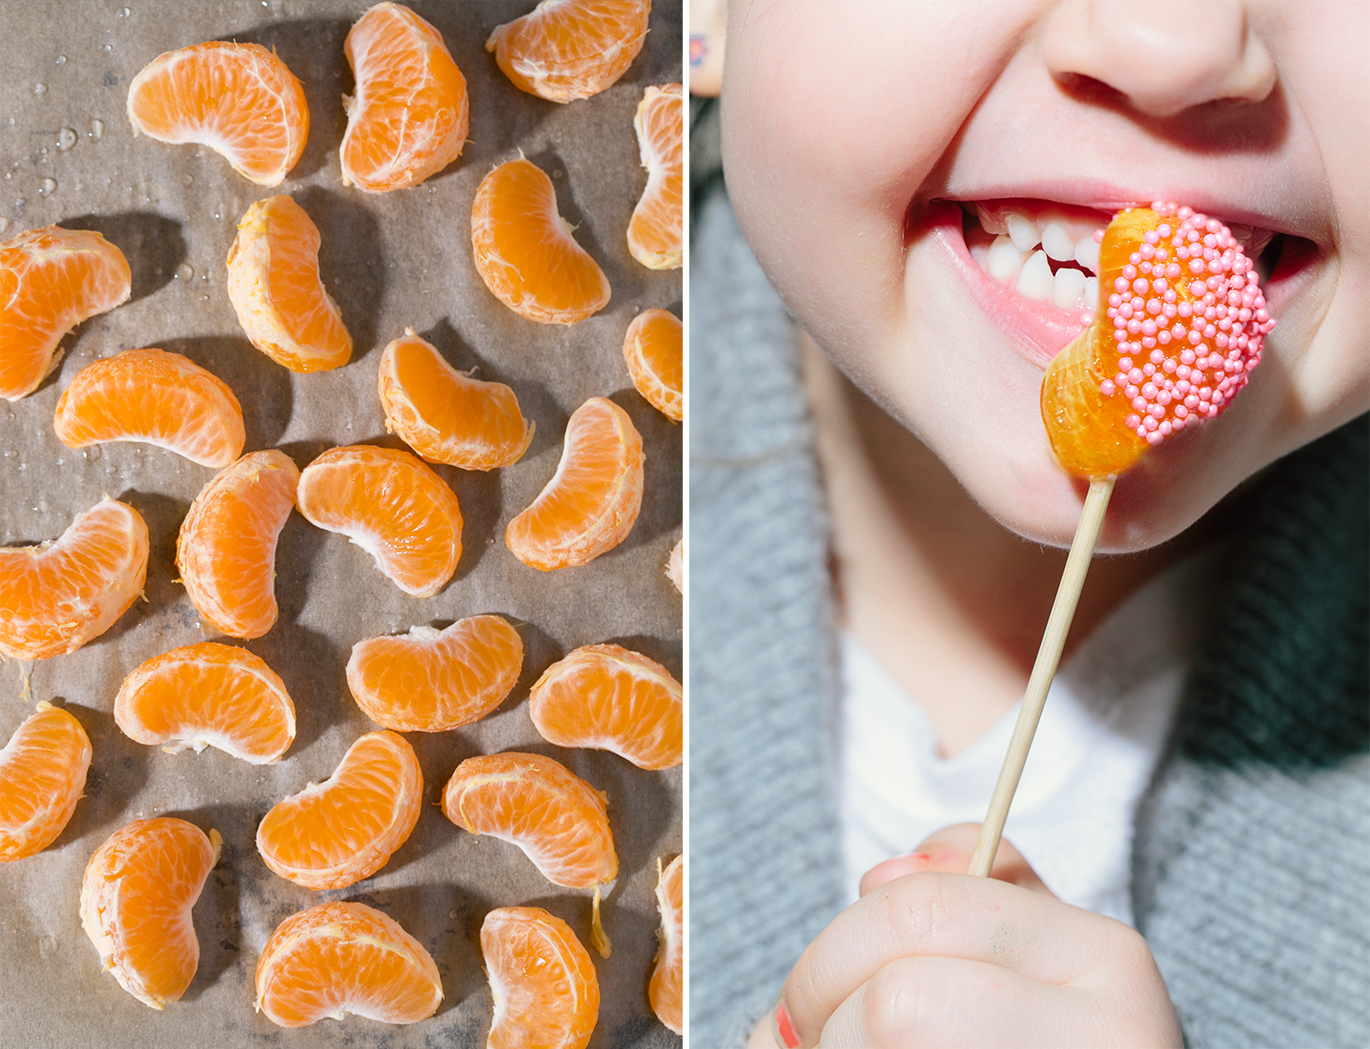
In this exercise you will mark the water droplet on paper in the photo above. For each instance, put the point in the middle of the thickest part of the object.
(185, 271)
(93, 452)
(124, 12)
(204, 298)
(97, 128)
(11, 453)
(46, 187)
(40, 89)
(151, 192)
(47, 946)
(66, 138)
(61, 60)
(451, 914)
(20, 202)
(187, 180)
(106, 48)
(235, 205)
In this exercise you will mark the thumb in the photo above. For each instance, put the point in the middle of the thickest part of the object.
(949, 851)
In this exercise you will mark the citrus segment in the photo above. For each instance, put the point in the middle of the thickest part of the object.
(654, 350)
(157, 397)
(675, 565)
(208, 695)
(408, 117)
(334, 833)
(446, 416)
(609, 698)
(559, 821)
(392, 506)
(544, 985)
(52, 279)
(136, 898)
(565, 50)
(656, 230)
(664, 989)
(57, 596)
(340, 958)
(238, 99)
(42, 773)
(276, 290)
(431, 681)
(525, 252)
(590, 504)
(226, 550)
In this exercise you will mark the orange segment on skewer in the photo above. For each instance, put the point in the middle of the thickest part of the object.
(664, 990)
(565, 50)
(544, 985)
(42, 774)
(657, 229)
(654, 349)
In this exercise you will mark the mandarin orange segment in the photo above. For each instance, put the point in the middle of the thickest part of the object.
(226, 550)
(208, 695)
(42, 773)
(543, 982)
(136, 899)
(675, 566)
(392, 506)
(607, 697)
(446, 416)
(345, 957)
(338, 832)
(430, 680)
(524, 250)
(656, 232)
(654, 349)
(59, 595)
(592, 501)
(664, 989)
(52, 279)
(559, 821)
(276, 290)
(565, 50)
(238, 99)
(409, 115)
(150, 395)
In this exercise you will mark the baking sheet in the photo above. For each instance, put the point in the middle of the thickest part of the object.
(68, 156)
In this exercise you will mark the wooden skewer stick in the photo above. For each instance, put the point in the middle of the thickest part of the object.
(1043, 670)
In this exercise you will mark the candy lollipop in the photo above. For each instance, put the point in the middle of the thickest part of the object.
(1184, 323)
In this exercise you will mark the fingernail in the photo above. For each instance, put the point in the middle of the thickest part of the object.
(785, 1033)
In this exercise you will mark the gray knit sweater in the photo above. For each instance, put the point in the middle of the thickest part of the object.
(1251, 865)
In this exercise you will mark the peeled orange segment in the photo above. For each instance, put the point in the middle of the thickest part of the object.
(42, 773)
(226, 551)
(656, 231)
(525, 252)
(334, 833)
(545, 988)
(654, 350)
(154, 396)
(208, 695)
(57, 596)
(559, 821)
(275, 287)
(408, 118)
(664, 990)
(564, 50)
(590, 504)
(610, 698)
(675, 566)
(238, 99)
(431, 681)
(340, 958)
(445, 416)
(51, 280)
(392, 506)
(136, 899)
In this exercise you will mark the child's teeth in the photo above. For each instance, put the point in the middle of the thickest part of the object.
(1091, 294)
(1029, 272)
(1087, 254)
(1057, 243)
(1004, 260)
(1022, 231)
(1068, 287)
(989, 222)
(1035, 280)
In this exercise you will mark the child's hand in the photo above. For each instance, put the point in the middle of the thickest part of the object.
(932, 957)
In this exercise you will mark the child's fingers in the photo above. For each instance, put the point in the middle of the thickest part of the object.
(949, 851)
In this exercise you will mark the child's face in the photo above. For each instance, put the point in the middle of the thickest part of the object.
(858, 134)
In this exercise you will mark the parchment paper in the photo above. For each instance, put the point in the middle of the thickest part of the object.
(390, 260)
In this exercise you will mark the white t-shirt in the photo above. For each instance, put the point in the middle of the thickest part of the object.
(1105, 722)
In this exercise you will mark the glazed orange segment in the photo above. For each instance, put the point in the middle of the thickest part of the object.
(607, 697)
(544, 985)
(656, 230)
(208, 695)
(136, 898)
(157, 397)
(446, 416)
(565, 50)
(226, 550)
(392, 506)
(42, 773)
(664, 990)
(654, 349)
(590, 504)
(238, 99)
(276, 290)
(524, 250)
(52, 279)
(559, 821)
(409, 115)
(430, 680)
(334, 833)
(340, 958)
(57, 596)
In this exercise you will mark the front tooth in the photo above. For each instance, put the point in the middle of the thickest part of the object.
(1023, 231)
(1091, 294)
(1035, 279)
(1004, 260)
(1057, 243)
(1087, 253)
(1066, 288)
(990, 223)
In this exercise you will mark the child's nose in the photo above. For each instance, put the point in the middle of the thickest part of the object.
(1164, 55)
